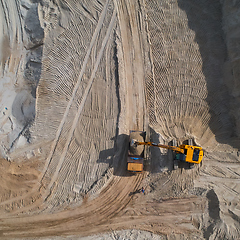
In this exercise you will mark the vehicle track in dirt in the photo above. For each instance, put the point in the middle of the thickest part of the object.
(35, 198)
(111, 215)
(116, 195)
(46, 188)
(131, 24)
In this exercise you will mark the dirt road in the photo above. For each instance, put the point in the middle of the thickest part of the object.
(118, 205)
(131, 59)
(111, 211)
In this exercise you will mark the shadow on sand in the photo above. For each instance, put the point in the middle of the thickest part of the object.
(116, 157)
(205, 19)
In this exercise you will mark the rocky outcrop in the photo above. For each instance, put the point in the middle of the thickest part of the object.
(21, 41)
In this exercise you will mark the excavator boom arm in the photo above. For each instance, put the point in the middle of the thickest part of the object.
(176, 149)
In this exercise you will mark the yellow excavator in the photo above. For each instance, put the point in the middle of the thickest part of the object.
(185, 153)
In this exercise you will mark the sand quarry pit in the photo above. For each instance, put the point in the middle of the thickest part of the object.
(77, 76)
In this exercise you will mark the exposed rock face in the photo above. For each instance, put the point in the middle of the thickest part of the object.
(21, 63)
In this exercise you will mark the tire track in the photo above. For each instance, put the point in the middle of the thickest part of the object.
(132, 48)
(48, 190)
(83, 222)
(60, 128)
(45, 195)
(81, 106)
(97, 30)
(105, 212)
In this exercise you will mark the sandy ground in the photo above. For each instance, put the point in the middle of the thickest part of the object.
(76, 76)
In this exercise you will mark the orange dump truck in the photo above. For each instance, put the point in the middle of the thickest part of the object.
(135, 163)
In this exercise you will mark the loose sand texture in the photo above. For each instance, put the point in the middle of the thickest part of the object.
(77, 76)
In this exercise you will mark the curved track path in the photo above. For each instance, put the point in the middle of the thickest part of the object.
(116, 207)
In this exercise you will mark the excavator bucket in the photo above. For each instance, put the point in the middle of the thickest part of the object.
(133, 142)
(136, 136)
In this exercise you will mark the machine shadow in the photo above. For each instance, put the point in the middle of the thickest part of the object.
(116, 157)
(157, 161)
(205, 19)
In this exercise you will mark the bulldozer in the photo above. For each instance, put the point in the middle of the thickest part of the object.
(184, 153)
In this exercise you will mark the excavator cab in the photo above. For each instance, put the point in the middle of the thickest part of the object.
(192, 154)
